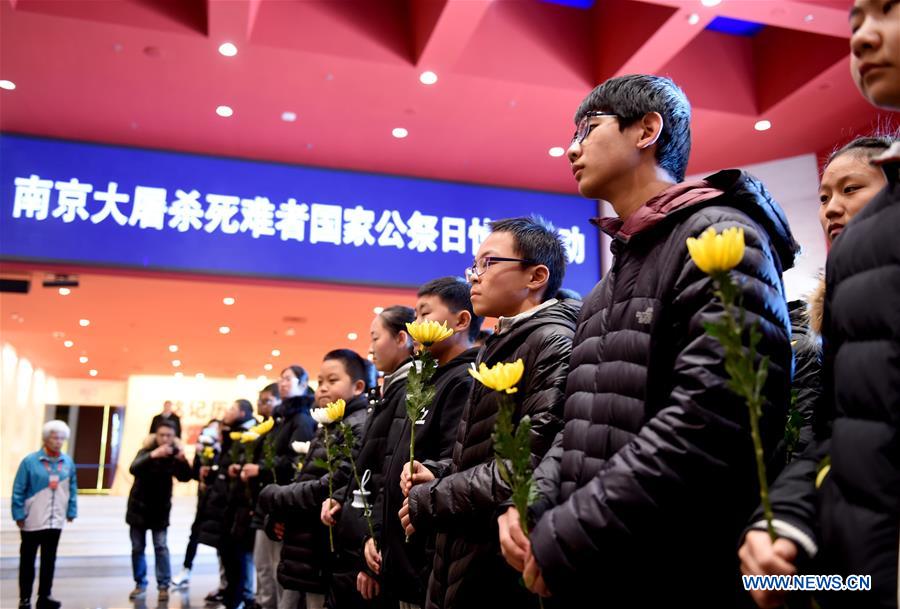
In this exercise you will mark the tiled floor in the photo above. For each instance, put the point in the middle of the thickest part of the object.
(93, 570)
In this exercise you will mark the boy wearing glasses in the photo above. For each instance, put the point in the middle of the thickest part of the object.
(518, 270)
(645, 493)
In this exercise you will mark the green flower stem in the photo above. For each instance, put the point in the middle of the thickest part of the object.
(746, 379)
(330, 485)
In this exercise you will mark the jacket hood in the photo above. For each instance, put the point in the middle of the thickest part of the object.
(293, 405)
(464, 359)
(732, 188)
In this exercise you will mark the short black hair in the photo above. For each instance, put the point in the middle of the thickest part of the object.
(456, 294)
(357, 368)
(166, 423)
(536, 239)
(299, 372)
(246, 409)
(633, 96)
(396, 317)
(272, 389)
(868, 146)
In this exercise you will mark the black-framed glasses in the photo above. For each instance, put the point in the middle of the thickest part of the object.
(480, 266)
(585, 127)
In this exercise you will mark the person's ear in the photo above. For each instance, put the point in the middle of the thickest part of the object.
(651, 127)
(463, 321)
(403, 339)
(540, 274)
(359, 387)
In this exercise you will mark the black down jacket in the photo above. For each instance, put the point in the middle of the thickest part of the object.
(852, 523)
(655, 467)
(469, 571)
(150, 499)
(293, 423)
(351, 530)
(305, 555)
(406, 565)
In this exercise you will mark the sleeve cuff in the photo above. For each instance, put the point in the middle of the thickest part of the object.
(792, 532)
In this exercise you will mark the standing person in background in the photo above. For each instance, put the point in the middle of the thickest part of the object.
(150, 502)
(265, 551)
(167, 414)
(44, 498)
(209, 438)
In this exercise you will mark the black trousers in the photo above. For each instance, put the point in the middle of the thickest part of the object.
(47, 540)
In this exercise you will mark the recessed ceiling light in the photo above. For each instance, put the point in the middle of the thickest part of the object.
(224, 329)
(399, 133)
(242, 377)
(7, 84)
(173, 348)
(693, 18)
(200, 375)
(84, 323)
(64, 291)
(267, 367)
(178, 375)
(92, 372)
(290, 332)
(378, 310)
(289, 117)
(762, 125)
(352, 336)
(176, 363)
(809, 18)
(68, 344)
(83, 359)
(228, 49)
(428, 78)
(557, 151)
(275, 352)
(709, 3)
(228, 301)
(224, 111)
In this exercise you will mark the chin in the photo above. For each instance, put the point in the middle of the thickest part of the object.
(884, 93)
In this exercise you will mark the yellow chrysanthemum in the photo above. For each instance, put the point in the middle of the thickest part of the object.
(500, 377)
(264, 427)
(823, 473)
(209, 452)
(249, 436)
(428, 332)
(717, 252)
(330, 414)
(235, 435)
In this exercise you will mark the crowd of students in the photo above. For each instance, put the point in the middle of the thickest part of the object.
(647, 485)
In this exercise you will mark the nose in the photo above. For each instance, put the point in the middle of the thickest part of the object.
(865, 38)
(834, 209)
(574, 151)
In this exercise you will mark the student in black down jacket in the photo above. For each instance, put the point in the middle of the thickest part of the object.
(403, 565)
(518, 269)
(391, 349)
(848, 515)
(645, 491)
(305, 555)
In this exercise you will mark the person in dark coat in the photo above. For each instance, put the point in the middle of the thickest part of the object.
(646, 489)
(293, 421)
(842, 517)
(402, 564)
(167, 414)
(236, 545)
(294, 510)
(150, 502)
(518, 269)
(391, 348)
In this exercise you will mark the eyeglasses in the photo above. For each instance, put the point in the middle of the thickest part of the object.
(585, 127)
(480, 266)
